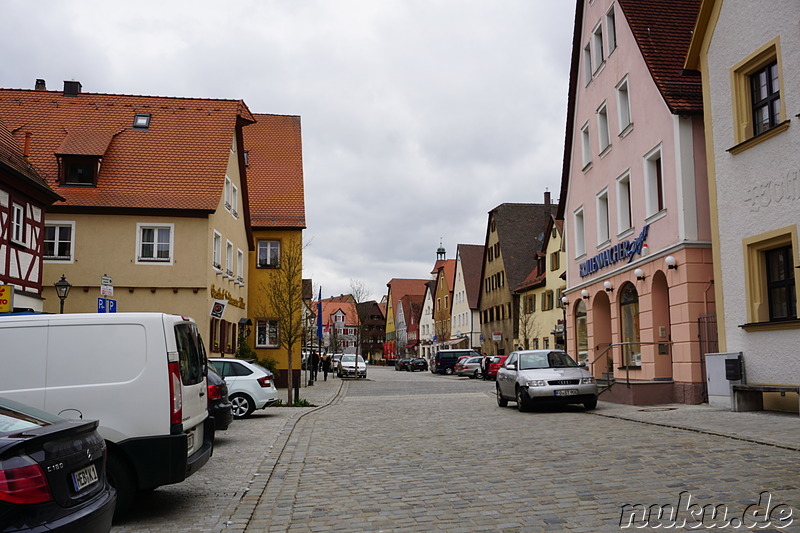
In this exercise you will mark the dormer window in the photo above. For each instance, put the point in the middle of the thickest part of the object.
(141, 121)
(80, 156)
(79, 170)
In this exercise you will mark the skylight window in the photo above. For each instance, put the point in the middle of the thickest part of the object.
(141, 121)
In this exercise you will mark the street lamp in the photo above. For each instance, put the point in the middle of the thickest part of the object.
(62, 289)
(564, 303)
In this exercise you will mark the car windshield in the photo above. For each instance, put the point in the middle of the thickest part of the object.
(529, 361)
(351, 359)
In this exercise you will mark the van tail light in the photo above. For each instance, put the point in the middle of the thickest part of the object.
(264, 381)
(175, 394)
(23, 481)
(214, 392)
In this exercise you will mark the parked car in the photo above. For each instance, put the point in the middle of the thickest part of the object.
(347, 366)
(544, 376)
(402, 364)
(445, 360)
(335, 358)
(470, 367)
(52, 473)
(417, 363)
(141, 375)
(250, 385)
(219, 405)
(495, 362)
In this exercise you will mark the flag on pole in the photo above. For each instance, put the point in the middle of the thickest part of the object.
(319, 315)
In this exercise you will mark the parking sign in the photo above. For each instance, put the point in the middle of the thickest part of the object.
(112, 306)
(101, 305)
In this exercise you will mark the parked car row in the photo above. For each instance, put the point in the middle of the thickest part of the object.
(411, 364)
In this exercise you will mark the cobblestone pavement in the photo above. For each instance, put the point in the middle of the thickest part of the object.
(416, 452)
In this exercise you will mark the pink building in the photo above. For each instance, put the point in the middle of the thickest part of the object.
(635, 202)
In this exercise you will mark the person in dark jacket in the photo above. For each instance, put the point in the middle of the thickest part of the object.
(485, 366)
(326, 366)
(314, 365)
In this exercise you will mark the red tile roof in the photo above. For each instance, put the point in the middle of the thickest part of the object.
(179, 162)
(399, 287)
(448, 267)
(471, 263)
(12, 158)
(275, 172)
(663, 33)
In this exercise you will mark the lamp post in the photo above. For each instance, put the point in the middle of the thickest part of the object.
(564, 302)
(62, 289)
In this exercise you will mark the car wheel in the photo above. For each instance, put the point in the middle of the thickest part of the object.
(476, 375)
(502, 402)
(242, 406)
(120, 476)
(590, 404)
(522, 401)
(448, 371)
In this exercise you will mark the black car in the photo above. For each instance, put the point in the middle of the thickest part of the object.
(417, 363)
(402, 364)
(52, 473)
(219, 406)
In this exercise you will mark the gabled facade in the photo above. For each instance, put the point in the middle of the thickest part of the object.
(443, 301)
(339, 326)
(274, 163)
(24, 198)
(409, 310)
(397, 288)
(751, 97)
(373, 330)
(465, 320)
(426, 322)
(149, 202)
(636, 193)
(514, 234)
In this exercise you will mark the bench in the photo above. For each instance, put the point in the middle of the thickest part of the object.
(751, 397)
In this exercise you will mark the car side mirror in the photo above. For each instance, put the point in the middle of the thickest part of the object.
(512, 366)
(582, 364)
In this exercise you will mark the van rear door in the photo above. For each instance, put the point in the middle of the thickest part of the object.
(192, 361)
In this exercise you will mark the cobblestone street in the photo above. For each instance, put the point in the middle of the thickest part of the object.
(416, 452)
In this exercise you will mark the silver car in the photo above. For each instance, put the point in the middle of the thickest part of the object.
(349, 364)
(544, 376)
(470, 367)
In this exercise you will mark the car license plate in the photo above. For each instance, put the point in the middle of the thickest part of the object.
(189, 442)
(566, 392)
(84, 477)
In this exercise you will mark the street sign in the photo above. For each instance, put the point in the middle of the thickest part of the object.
(101, 305)
(112, 306)
(106, 290)
(105, 280)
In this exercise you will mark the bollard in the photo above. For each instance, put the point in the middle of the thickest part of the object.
(297, 393)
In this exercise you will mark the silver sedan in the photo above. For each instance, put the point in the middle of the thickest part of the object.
(544, 376)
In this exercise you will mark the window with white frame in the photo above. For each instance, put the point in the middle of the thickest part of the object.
(603, 234)
(266, 333)
(654, 182)
(587, 63)
(580, 242)
(154, 243)
(624, 221)
(58, 241)
(623, 106)
(586, 148)
(268, 254)
(239, 266)
(216, 250)
(228, 185)
(602, 127)
(234, 200)
(17, 223)
(611, 30)
(597, 47)
(229, 258)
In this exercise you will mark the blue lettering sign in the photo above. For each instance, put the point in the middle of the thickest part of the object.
(620, 251)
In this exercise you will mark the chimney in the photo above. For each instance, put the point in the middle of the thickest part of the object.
(40, 85)
(26, 152)
(72, 88)
(547, 202)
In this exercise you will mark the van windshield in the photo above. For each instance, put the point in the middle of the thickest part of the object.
(191, 353)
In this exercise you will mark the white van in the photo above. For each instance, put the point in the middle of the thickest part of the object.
(142, 375)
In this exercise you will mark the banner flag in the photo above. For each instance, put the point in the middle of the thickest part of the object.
(319, 314)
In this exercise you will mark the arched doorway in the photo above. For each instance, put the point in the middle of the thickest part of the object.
(661, 327)
(629, 326)
(601, 335)
(581, 333)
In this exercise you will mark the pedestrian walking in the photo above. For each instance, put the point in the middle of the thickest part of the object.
(485, 365)
(314, 365)
(326, 366)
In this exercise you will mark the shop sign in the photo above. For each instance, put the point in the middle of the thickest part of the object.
(6, 298)
(626, 250)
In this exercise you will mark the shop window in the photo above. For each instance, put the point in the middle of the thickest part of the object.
(629, 326)
(581, 331)
(266, 333)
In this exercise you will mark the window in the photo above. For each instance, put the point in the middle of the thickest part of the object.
(586, 148)
(229, 259)
(141, 121)
(246, 159)
(154, 243)
(530, 303)
(555, 262)
(587, 63)
(545, 343)
(547, 300)
(239, 266)
(536, 344)
(79, 170)
(266, 333)
(18, 223)
(758, 109)
(623, 107)
(580, 243)
(602, 127)
(653, 182)
(559, 295)
(770, 283)
(268, 254)
(624, 202)
(227, 193)
(216, 250)
(629, 324)
(611, 30)
(603, 234)
(234, 200)
(58, 241)
(597, 48)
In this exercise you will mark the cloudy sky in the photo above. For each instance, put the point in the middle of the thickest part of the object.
(418, 116)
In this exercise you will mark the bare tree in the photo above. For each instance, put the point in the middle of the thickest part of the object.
(284, 296)
(361, 294)
(529, 328)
